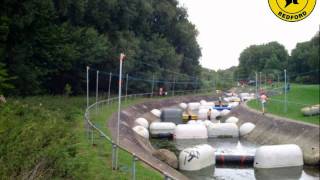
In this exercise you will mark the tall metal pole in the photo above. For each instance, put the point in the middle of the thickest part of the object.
(174, 79)
(88, 86)
(127, 79)
(122, 56)
(110, 78)
(97, 86)
(260, 80)
(152, 87)
(285, 90)
(196, 84)
(265, 81)
(257, 85)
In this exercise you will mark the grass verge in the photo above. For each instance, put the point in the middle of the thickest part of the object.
(298, 97)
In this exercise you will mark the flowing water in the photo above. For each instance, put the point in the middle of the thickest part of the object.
(234, 146)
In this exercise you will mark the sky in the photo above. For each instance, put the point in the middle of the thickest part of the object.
(227, 27)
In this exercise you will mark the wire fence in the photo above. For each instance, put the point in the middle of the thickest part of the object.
(97, 135)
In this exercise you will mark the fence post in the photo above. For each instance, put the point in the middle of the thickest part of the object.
(134, 159)
(256, 86)
(285, 90)
(88, 86)
(109, 88)
(174, 81)
(259, 80)
(92, 138)
(152, 87)
(114, 149)
(97, 88)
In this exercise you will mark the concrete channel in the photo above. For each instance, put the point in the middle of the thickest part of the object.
(269, 130)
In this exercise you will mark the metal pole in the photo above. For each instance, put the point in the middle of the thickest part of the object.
(134, 159)
(119, 106)
(97, 88)
(152, 87)
(195, 88)
(259, 80)
(265, 81)
(257, 85)
(88, 86)
(110, 78)
(285, 90)
(174, 80)
(88, 116)
(127, 86)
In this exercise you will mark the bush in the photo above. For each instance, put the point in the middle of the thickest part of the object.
(38, 142)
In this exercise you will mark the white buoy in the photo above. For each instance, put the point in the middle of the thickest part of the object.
(142, 122)
(197, 157)
(193, 105)
(190, 131)
(223, 130)
(278, 156)
(205, 107)
(156, 112)
(142, 131)
(233, 104)
(232, 119)
(202, 114)
(207, 123)
(183, 106)
(202, 102)
(246, 128)
(224, 112)
(162, 128)
(195, 122)
(214, 114)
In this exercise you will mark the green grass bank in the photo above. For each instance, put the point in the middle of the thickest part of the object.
(298, 97)
(44, 138)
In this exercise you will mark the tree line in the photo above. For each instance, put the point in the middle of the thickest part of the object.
(272, 58)
(47, 44)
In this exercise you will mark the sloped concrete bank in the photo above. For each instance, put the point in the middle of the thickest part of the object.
(136, 144)
(272, 130)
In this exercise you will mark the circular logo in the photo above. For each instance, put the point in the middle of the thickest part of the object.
(292, 10)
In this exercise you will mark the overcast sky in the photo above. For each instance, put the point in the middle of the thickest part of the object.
(227, 27)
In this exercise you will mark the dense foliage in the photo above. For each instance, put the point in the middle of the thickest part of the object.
(46, 44)
(272, 59)
(39, 140)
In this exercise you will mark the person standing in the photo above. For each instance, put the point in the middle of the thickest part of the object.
(263, 99)
(209, 114)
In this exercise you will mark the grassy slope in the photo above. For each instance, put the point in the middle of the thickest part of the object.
(52, 129)
(298, 97)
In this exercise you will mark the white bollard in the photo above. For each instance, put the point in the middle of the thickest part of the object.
(162, 129)
(142, 131)
(183, 106)
(232, 119)
(278, 156)
(246, 128)
(197, 157)
(142, 122)
(190, 131)
(223, 130)
(156, 112)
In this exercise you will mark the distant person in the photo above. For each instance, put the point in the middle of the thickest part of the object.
(263, 99)
(209, 114)
(189, 112)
